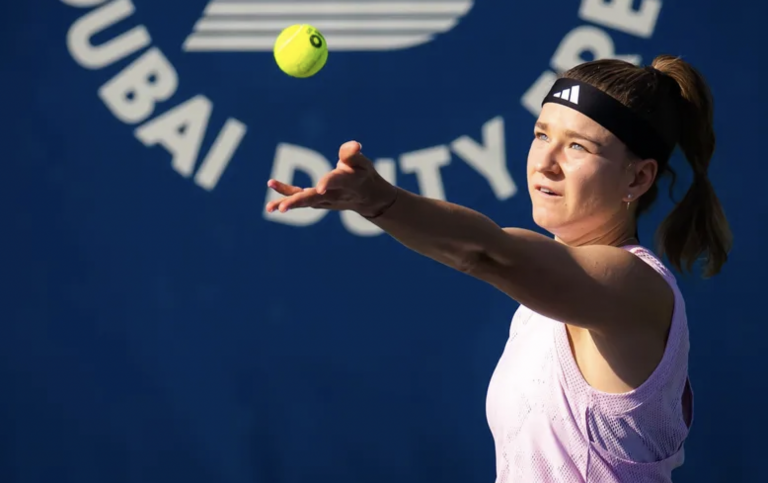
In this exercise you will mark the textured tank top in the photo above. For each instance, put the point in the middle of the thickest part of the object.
(550, 425)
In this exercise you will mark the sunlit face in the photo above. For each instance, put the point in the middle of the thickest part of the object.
(580, 175)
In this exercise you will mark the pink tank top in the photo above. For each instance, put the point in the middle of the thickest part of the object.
(549, 425)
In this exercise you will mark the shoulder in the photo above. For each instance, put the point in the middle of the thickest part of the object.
(654, 275)
(649, 286)
(642, 288)
(645, 282)
(636, 261)
(593, 287)
(647, 257)
(632, 264)
(625, 355)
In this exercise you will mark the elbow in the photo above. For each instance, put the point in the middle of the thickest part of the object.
(483, 266)
(476, 263)
(489, 257)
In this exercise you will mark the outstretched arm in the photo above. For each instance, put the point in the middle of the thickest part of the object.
(601, 288)
(596, 287)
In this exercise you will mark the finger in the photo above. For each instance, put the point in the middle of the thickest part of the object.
(272, 205)
(351, 153)
(332, 180)
(282, 188)
(278, 203)
(288, 191)
(308, 198)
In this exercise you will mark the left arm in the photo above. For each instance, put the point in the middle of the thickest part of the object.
(602, 288)
(596, 287)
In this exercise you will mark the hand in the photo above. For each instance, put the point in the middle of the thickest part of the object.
(353, 185)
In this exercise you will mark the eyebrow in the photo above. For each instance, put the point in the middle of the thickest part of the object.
(573, 134)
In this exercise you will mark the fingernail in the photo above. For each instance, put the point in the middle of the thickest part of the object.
(360, 144)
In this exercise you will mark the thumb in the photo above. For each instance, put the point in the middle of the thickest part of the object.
(333, 180)
(351, 154)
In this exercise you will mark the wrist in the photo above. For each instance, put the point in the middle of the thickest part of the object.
(384, 197)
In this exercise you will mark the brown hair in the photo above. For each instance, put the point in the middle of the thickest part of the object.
(674, 97)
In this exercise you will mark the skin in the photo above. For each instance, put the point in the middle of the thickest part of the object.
(617, 309)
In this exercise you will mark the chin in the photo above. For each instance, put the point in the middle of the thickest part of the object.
(546, 220)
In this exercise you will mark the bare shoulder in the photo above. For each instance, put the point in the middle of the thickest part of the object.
(619, 357)
(597, 287)
(639, 286)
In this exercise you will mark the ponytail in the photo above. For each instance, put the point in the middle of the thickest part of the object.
(697, 226)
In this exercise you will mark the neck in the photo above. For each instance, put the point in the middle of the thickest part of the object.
(612, 234)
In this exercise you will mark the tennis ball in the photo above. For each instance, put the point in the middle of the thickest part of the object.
(300, 51)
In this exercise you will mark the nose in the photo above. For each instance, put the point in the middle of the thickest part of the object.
(547, 162)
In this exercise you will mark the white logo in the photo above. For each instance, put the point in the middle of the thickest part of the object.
(200, 140)
(571, 95)
(347, 25)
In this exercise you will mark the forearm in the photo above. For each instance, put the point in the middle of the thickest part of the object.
(446, 232)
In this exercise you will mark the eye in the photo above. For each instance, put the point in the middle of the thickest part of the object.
(541, 136)
(578, 146)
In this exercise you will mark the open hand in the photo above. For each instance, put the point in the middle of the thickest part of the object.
(353, 185)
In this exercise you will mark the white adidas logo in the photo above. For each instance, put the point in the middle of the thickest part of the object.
(571, 94)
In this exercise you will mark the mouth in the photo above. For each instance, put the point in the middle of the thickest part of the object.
(546, 191)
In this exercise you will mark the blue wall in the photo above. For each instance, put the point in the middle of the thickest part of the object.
(160, 327)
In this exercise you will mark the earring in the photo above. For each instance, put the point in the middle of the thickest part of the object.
(629, 202)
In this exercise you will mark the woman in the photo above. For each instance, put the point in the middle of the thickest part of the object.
(593, 382)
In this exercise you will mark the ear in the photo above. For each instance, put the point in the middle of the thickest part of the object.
(642, 176)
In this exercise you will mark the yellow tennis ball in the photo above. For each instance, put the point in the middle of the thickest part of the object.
(300, 51)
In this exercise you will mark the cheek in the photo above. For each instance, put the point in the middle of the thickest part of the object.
(592, 183)
(582, 176)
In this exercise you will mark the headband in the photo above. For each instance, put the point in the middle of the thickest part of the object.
(634, 131)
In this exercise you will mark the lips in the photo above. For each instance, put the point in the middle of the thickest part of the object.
(546, 190)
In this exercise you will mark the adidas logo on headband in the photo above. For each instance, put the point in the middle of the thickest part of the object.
(571, 95)
(634, 130)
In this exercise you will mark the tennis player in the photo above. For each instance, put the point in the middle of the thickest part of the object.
(593, 383)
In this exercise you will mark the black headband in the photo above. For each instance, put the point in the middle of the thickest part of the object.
(634, 131)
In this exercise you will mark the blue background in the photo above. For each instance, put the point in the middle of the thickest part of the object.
(153, 331)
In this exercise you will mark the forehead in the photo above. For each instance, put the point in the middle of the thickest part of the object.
(562, 118)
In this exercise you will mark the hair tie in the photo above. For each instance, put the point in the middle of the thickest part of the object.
(654, 70)
(701, 174)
